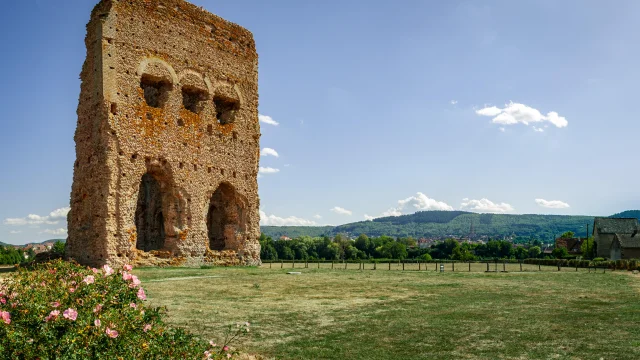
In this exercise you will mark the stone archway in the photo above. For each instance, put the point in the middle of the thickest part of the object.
(149, 215)
(226, 218)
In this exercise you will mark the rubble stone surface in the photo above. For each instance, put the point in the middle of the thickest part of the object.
(167, 140)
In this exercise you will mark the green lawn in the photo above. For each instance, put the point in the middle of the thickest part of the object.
(338, 314)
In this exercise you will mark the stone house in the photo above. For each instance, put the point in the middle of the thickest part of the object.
(625, 246)
(606, 230)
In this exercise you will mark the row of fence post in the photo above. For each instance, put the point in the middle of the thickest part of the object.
(453, 266)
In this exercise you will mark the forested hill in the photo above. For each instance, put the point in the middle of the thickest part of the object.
(456, 223)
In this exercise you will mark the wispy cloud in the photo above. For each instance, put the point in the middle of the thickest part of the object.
(268, 170)
(341, 211)
(53, 218)
(269, 152)
(485, 206)
(273, 220)
(267, 120)
(515, 113)
(317, 216)
(60, 231)
(15, 232)
(453, 102)
(552, 204)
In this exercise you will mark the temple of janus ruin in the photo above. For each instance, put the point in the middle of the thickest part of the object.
(167, 140)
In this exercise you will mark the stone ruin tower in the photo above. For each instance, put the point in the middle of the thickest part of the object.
(167, 140)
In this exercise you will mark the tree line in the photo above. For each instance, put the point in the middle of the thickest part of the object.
(401, 248)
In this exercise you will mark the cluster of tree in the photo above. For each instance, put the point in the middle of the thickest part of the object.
(10, 256)
(386, 247)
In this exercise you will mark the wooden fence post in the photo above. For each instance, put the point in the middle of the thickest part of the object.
(453, 266)
(345, 265)
(504, 266)
(332, 264)
(539, 267)
(318, 264)
(487, 267)
(293, 264)
(270, 265)
(375, 265)
(403, 265)
(281, 264)
(436, 266)
(520, 265)
(419, 265)
(389, 265)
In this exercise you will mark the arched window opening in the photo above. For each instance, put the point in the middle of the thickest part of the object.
(149, 215)
(226, 109)
(193, 99)
(156, 90)
(226, 218)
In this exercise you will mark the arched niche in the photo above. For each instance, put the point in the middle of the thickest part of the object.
(226, 218)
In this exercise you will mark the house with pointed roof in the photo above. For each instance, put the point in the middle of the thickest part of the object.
(623, 231)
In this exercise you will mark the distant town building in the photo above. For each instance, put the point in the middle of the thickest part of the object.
(605, 230)
(573, 245)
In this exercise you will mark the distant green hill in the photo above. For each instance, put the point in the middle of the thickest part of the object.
(454, 223)
(627, 214)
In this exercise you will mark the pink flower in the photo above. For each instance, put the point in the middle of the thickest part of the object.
(146, 328)
(107, 271)
(72, 290)
(43, 284)
(141, 294)
(3, 300)
(226, 348)
(97, 322)
(133, 305)
(212, 343)
(52, 315)
(89, 279)
(126, 276)
(228, 356)
(13, 295)
(97, 308)
(135, 281)
(6, 317)
(127, 267)
(207, 354)
(95, 271)
(111, 333)
(55, 304)
(247, 324)
(70, 314)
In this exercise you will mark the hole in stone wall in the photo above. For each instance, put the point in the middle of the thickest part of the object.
(235, 135)
(225, 217)
(181, 165)
(156, 90)
(193, 99)
(209, 169)
(210, 129)
(114, 108)
(180, 122)
(226, 109)
(149, 217)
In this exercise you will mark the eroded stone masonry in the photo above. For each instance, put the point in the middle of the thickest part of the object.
(167, 141)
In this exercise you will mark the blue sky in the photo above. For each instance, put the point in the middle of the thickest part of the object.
(382, 107)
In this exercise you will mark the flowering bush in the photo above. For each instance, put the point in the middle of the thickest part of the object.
(60, 310)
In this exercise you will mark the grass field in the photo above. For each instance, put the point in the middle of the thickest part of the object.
(338, 314)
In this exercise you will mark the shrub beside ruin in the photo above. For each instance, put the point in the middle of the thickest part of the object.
(60, 310)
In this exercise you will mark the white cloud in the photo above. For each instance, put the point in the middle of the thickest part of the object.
(537, 129)
(367, 217)
(60, 231)
(341, 211)
(287, 165)
(453, 102)
(317, 216)
(268, 170)
(503, 129)
(552, 204)
(15, 232)
(486, 206)
(267, 120)
(273, 220)
(53, 218)
(419, 202)
(515, 113)
(269, 152)
(60, 213)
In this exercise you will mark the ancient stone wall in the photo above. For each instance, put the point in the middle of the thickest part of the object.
(167, 140)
